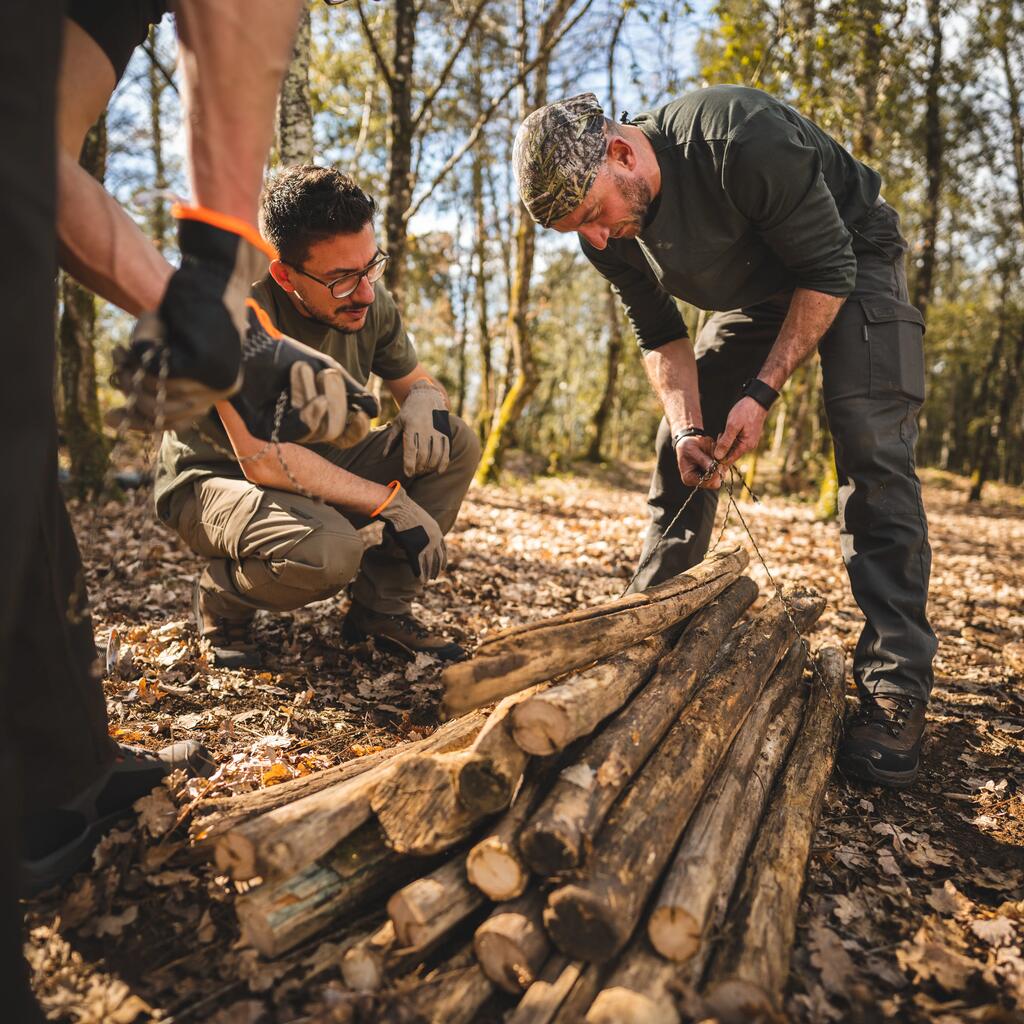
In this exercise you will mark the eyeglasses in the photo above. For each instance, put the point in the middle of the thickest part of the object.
(342, 287)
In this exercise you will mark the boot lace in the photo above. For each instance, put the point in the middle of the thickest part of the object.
(891, 716)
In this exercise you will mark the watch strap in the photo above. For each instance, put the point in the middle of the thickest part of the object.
(764, 394)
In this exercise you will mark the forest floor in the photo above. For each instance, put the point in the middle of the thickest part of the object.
(914, 908)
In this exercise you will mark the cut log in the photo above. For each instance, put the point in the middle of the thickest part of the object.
(641, 989)
(564, 825)
(508, 664)
(428, 908)
(364, 963)
(494, 865)
(488, 778)
(593, 917)
(512, 945)
(710, 855)
(454, 992)
(277, 916)
(282, 841)
(749, 970)
(548, 722)
(560, 995)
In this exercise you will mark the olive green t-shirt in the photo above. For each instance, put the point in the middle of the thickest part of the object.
(381, 346)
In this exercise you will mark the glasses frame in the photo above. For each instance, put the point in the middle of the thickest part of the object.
(380, 260)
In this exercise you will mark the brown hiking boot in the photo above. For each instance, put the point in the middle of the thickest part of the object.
(882, 740)
(228, 642)
(401, 634)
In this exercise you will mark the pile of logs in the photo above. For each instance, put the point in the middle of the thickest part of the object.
(623, 838)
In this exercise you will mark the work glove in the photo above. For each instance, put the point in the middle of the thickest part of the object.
(425, 427)
(414, 531)
(188, 354)
(291, 392)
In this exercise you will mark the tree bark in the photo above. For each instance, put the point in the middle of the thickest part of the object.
(454, 993)
(158, 225)
(749, 971)
(284, 840)
(512, 945)
(560, 995)
(710, 855)
(430, 907)
(278, 916)
(641, 990)
(562, 829)
(518, 659)
(363, 964)
(593, 917)
(294, 115)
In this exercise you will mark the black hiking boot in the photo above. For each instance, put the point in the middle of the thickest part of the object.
(401, 634)
(228, 642)
(882, 740)
(56, 842)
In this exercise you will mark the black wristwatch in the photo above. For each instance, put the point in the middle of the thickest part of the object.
(764, 394)
(679, 435)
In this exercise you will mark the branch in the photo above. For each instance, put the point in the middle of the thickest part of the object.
(487, 113)
(446, 71)
(165, 74)
(386, 73)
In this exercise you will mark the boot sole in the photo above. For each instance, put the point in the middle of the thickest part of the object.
(862, 768)
(354, 635)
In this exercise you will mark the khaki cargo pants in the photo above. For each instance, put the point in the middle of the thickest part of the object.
(276, 550)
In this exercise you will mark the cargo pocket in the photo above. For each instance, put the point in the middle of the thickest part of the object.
(894, 333)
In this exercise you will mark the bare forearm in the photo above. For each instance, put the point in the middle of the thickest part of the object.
(291, 467)
(672, 371)
(810, 315)
(102, 247)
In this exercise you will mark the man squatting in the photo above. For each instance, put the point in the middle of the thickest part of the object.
(730, 200)
(282, 527)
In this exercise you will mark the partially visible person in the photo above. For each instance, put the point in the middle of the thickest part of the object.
(281, 527)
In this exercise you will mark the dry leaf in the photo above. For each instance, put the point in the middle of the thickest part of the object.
(932, 960)
(949, 900)
(278, 772)
(831, 959)
(114, 924)
(997, 931)
(157, 813)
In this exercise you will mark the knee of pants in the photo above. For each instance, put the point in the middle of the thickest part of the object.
(321, 563)
(466, 449)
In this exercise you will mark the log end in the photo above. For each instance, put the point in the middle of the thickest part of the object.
(256, 928)
(674, 933)
(362, 969)
(735, 1001)
(511, 951)
(235, 856)
(540, 727)
(549, 853)
(496, 871)
(483, 787)
(582, 926)
(623, 1006)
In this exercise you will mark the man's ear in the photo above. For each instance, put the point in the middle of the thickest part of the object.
(621, 153)
(279, 272)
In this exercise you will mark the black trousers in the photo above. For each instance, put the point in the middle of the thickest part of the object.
(873, 375)
(53, 735)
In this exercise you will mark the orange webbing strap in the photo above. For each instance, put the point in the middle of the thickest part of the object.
(264, 318)
(395, 488)
(225, 222)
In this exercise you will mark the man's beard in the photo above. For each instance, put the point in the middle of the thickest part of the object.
(637, 195)
(328, 321)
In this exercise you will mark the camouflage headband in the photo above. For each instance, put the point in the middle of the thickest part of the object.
(556, 156)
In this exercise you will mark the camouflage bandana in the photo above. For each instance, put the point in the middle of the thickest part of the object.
(556, 156)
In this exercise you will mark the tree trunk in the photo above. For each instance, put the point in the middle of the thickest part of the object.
(549, 721)
(710, 857)
(574, 810)
(749, 971)
(867, 74)
(294, 115)
(612, 357)
(76, 335)
(594, 917)
(158, 224)
(286, 839)
(516, 660)
(933, 161)
(512, 945)
(1002, 426)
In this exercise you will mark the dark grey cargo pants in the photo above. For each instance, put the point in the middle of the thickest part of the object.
(873, 366)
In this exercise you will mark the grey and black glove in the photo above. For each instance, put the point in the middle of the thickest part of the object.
(424, 425)
(415, 531)
(188, 354)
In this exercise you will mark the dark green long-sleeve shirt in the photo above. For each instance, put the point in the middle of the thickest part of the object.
(755, 199)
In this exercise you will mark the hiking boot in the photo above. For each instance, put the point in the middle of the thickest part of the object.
(56, 842)
(882, 740)
(228, 642)
(401, 634)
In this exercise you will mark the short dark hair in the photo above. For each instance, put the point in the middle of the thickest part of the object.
(303, 205)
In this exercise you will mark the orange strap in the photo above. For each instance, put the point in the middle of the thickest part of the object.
(225, 222)
(395, 488)
(264, 318)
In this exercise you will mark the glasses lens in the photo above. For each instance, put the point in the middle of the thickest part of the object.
(376, 270)
(345, 286)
